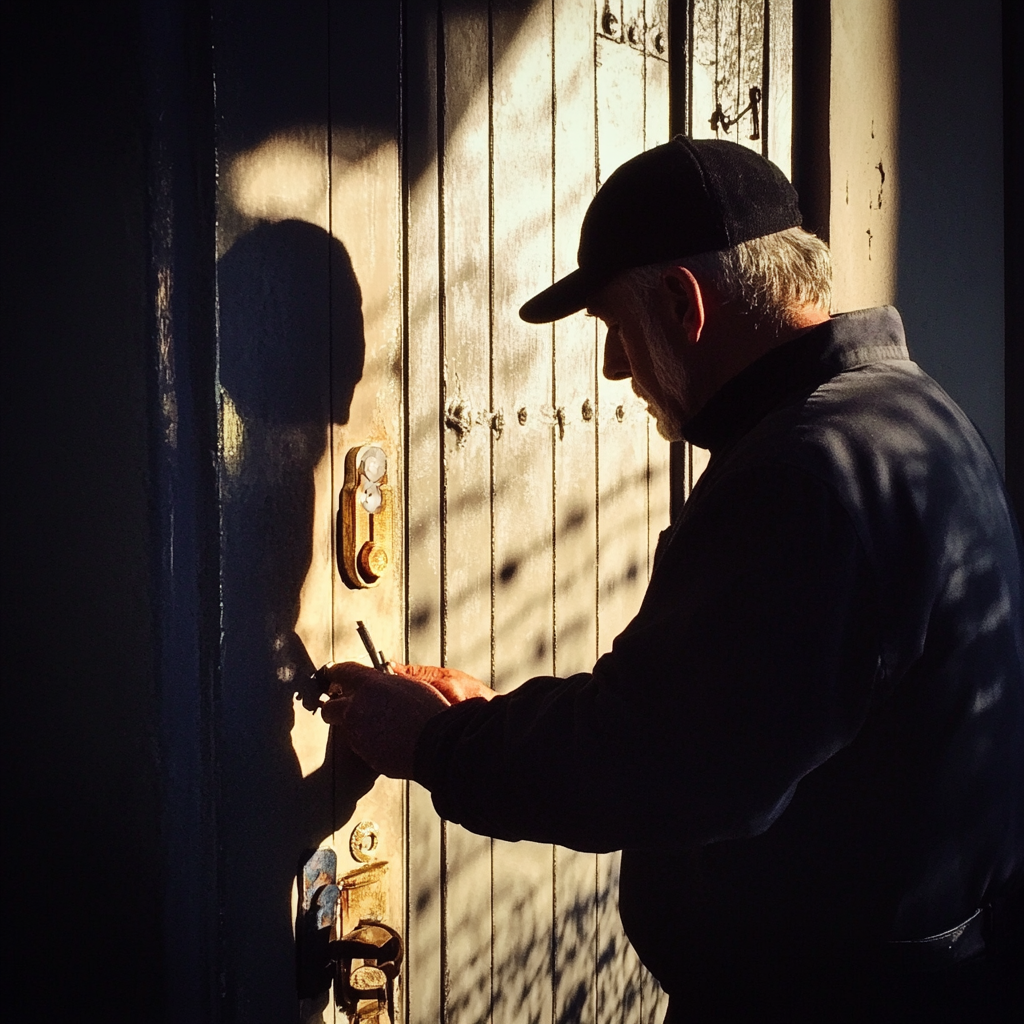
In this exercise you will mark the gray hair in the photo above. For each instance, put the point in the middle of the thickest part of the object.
(770, 277)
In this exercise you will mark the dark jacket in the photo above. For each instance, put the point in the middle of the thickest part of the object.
(810, 740)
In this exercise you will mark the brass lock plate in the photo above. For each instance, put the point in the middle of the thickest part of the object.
(365, 518)
(364, 895)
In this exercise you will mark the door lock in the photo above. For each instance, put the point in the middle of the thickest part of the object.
(367, 961)
(365, 518)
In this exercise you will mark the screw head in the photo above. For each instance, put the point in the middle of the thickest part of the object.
(373, 561)
(620, 413)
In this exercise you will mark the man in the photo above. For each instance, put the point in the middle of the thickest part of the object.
(818, 711)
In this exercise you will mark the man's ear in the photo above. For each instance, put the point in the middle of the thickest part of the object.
(683, 302)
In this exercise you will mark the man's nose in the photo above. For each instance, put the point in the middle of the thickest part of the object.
(616, 365)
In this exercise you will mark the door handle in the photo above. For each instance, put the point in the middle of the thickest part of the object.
(367, 961)
(365, 518)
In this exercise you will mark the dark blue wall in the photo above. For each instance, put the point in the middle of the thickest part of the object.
(950, 276)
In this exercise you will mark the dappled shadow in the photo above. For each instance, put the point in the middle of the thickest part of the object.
(583, 959)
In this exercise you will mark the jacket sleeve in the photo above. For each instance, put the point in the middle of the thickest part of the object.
(750, 663)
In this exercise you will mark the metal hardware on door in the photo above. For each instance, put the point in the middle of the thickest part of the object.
(365, 518)
(364, 841)
(719, 119)
(367, 962)
(368, 956)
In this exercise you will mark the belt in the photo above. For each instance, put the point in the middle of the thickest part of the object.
(936, 952)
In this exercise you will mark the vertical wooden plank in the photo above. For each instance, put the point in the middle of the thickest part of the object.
(366, 217)
(728, 72)
(522, 471)
(424, 609)
(749, 72)
(622, 496)
(704, 46)
(576, 369)
(728, 54)
(274, 293)
(656, 131)
(780, 84)
(467, 470)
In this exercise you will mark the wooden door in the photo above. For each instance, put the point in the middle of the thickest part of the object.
(395, 180)
(536, 489)
(310, 360)
(731, 48)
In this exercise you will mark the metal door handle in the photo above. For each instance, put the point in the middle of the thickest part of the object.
(366, 990)
(365, 518)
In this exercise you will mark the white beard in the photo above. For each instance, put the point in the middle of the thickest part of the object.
(672, 377)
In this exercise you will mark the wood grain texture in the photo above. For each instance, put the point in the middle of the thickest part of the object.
(656, 132)
(780, 84)
(522, 567)
(274, 352)
(467, 471)
(622, 503)
(366, 217)
(424, 502)
(575, 502)
(533, 489)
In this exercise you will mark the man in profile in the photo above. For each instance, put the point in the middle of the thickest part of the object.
(818, 711)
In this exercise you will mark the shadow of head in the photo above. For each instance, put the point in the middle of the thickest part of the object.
(291, 328)
(291, 353)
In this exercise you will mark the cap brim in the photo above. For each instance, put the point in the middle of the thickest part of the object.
(565, 297)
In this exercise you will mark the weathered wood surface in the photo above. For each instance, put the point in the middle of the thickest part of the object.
(274, 373)
(575, 492)
(523, 167)
(425, 835)
(779, 93)
(388, 247)
(727, 53)
(310, 365)
(467, 539)
(623, 500)
(366, 217)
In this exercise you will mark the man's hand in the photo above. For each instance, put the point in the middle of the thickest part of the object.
(453, 685)
(381, 715)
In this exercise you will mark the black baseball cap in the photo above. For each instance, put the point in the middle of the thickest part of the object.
(676, 200)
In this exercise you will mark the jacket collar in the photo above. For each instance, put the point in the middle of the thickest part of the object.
(841, 343)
